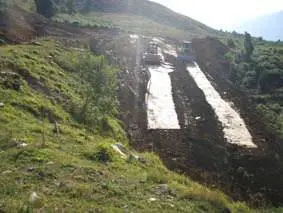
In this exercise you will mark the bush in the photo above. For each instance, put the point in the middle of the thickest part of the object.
(45, 8)
(270, 118)
(98, 82)
(75, 23)
(231, 43)
(103, 153)
(276, 108)
(100, 91)
(229, 56)
(250, 79)
(270, 80)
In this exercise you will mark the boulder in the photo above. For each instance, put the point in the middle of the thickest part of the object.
(35, 201)
(162, 189)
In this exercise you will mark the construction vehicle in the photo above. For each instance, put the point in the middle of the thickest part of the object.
(185, 53)
(152, 54)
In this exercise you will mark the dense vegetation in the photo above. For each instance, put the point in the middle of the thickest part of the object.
(258, 69)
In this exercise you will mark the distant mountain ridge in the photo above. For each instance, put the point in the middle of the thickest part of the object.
(269, 26)
(151, 10)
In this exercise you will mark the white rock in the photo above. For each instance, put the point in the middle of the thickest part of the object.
(33, 197)
(50, 163)
(198, 118)
(6, 172)
(35, 200)
(22, 145)
(152, 199)
(118, 148)
(2, 104)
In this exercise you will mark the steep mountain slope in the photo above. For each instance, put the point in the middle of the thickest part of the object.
(60, 136)
(269, 27)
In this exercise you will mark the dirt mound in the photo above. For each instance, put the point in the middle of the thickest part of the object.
(18, 25)
(215, 49)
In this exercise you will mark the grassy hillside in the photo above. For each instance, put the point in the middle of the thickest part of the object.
(144, 8)
(143, 17)
(137, 16)
(131, 23)
(56, 139)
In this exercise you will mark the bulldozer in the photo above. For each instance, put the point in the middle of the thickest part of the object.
(185, 52)
(152, 54)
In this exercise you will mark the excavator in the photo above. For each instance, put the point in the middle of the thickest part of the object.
(185, 52)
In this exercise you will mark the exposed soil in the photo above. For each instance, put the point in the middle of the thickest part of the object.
(199, 149)
(210, 57)
(19, 25)
(261, 176)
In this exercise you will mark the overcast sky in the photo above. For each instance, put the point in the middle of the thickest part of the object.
(223, 14)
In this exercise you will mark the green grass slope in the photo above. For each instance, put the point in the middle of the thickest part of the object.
(144, 17)
(143, 8)
(127, 22)
(137, 16)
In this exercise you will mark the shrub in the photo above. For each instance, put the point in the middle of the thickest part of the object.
(276, 108)
(98, 82)
(229, 56)
(270, 118)
(270, 80)
(103, 153)
(250, 79)
(100, 93)
(231, 43)
(45, 8)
